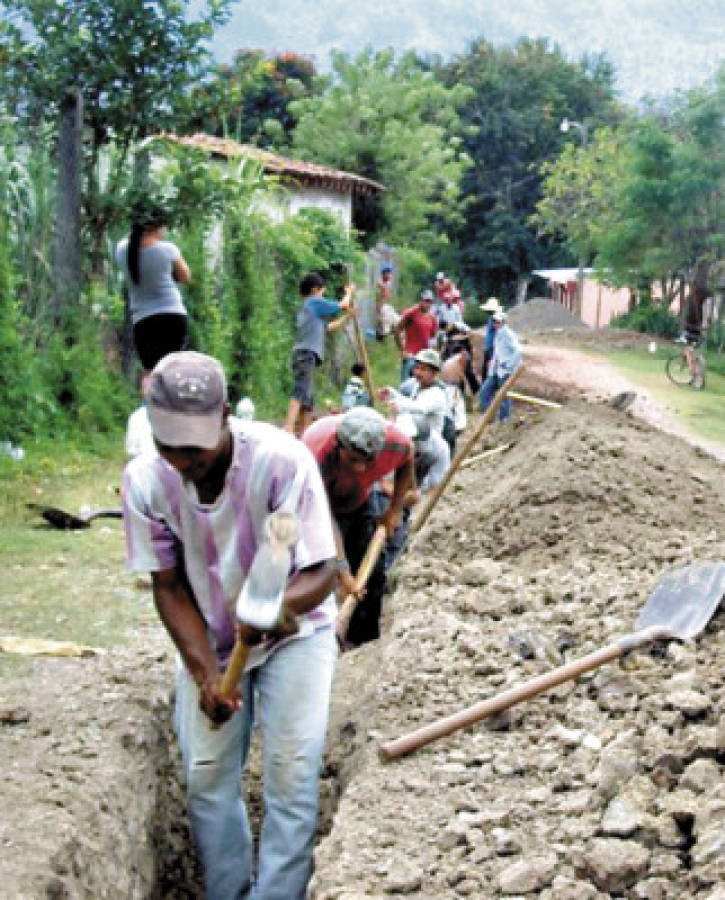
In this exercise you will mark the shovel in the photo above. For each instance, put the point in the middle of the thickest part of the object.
(680, 607)
(59, 518)
(261, 599)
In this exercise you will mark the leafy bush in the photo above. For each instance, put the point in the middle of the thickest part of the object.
(649, 319)
(263, 265)
(81, 382)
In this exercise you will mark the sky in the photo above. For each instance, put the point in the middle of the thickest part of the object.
(656, 46)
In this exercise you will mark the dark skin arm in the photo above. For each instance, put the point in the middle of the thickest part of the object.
(187, 629)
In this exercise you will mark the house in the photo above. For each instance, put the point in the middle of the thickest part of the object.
(305, 185)
(595, 302)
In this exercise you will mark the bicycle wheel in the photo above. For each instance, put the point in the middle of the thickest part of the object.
(677, 369)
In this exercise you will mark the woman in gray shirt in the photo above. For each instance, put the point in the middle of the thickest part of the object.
(154, 268)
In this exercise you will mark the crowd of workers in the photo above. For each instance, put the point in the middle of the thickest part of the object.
(197, 497)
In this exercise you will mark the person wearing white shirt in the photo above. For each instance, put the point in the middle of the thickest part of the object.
(429, 400)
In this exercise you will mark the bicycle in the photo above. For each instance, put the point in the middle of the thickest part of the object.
(686, 366)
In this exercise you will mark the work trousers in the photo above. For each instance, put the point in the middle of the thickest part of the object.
(288, 696)
(357, 529)
(488, 391)
(406, 368)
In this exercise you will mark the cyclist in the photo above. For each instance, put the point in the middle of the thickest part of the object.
(691, 338)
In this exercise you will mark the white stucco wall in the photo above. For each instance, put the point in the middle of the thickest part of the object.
(339, 204)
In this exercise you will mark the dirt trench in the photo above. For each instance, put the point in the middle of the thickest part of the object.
(608, 787)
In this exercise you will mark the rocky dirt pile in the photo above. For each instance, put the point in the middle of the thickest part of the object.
(608, 787)
(541, 314)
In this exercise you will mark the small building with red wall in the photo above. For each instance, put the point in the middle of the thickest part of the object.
(595, 302)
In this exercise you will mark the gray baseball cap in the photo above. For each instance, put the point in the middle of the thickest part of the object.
(426, 296)
(186, 394)
(363, 430)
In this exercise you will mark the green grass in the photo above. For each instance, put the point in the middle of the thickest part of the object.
(65, 585)
(700, 411)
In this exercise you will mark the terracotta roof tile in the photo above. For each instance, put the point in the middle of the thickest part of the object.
(294, 169)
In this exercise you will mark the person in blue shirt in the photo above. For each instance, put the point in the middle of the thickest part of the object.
(491, 306)
(315, 317)
(507, 355)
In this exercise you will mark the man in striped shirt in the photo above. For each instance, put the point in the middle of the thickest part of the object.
(194, 515)
(354, 451)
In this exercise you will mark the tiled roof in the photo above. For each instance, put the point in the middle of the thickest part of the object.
(285, 168)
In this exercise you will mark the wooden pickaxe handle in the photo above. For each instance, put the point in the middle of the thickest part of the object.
(238, 660)
(377, 542)
(362, 352)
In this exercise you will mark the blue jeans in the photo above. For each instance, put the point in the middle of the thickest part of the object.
(488, 390)
(289, 696)
(406, 368)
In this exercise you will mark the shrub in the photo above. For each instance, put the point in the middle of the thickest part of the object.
(649, 319)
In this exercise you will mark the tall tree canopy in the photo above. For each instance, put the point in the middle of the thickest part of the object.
(249, 99)
(518, 99)
(646, 199)
(394, 122)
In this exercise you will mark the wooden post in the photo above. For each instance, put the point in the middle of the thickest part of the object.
(486, 419)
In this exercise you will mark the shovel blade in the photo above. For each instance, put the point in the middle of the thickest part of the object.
(262, 594)
(685, 600)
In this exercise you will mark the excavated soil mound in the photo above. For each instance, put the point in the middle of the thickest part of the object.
(611, 786)
(542, 314)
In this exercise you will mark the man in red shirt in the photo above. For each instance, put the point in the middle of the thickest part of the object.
(353, 451)
(414, 331)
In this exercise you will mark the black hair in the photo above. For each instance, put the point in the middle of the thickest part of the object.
(142, 220)
(311, 281)
(357, 369)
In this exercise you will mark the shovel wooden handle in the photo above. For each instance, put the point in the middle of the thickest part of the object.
(472, 714)
(377, 542)
(433, 497)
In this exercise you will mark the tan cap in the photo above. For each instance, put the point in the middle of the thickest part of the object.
(428, 357)
(186, 394)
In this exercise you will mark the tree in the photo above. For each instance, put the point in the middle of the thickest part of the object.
(393, 122)
(646, 199)
(577, 191)
(250, 100)
(130, 61)
(512, 123)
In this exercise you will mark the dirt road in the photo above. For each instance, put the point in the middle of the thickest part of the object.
(597, 381)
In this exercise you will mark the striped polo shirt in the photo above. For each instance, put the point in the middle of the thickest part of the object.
(166, 525)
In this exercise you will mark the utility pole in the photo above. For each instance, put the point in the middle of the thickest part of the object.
(566, 126)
